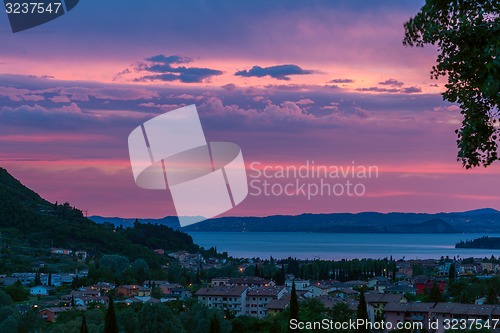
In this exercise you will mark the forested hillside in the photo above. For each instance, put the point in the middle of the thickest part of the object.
(31, 223)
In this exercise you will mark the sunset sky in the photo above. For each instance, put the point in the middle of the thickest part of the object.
(288, 81)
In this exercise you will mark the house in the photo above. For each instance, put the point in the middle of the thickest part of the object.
(299, 284)
(81, 255)
(232, 298)
(153, 283)
(24, 278)
(168, 288)
(344, 293)
(468, 269)
(128, 290)
(319, 288)
(250, 281)
(401, 289)
(86, 291)
(86, 300)
(419, 312)
(41, 290)
(375, 304)
(58, 250)
(221, 281)
(382, 286)
(9, 280)
(444, 269)
(423, 282)
(277, 305)
(103, 287)
(374, 281)
(181, 293)
(489, 267)
(160, 252)
(404, 271)
(460, 311)
(142, 299)
(355, 284)
(258, 298)
(50, 314)
(329, 302)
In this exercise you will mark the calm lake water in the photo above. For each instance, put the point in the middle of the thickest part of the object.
(339, 246)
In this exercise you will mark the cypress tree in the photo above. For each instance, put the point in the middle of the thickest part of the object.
(214, 324)
(451, 273)
(83, 328)
(362, 312)
(110, 325)
(294, 304)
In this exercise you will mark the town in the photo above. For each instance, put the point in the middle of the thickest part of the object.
(390, 291)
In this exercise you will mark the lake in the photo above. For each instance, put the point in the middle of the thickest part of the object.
(339, 246)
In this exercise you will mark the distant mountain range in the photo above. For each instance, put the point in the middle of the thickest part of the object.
(486, 220)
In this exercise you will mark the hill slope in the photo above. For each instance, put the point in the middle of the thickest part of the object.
(31, 221)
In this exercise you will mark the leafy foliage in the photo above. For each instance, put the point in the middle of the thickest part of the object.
(158, 318)
(467, 34)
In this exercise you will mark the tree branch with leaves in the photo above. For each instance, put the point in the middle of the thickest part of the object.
(467, 34)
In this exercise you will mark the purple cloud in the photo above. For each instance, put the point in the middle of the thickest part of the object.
(341, 81)
(161, 69)
(392, 82)
(280, 72)
(411, 90)
(378, 89)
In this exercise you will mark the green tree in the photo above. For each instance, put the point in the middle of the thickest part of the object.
(110, 325)
(214, 324)
(116, 263)
(5, 299)
(156, 292)
(362, 312)
(10, 324)
(158, 318)
(341, 313)
(83, 328)
(140, 270)
(435, 294)
(31, 322)
(467, 36)
(17, 292)
(197, 319)
(451, 273)
(127, 320)
(492, 295)
(294, 303)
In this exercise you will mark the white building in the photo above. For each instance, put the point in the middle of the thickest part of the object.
(299, 284)
(259, 298)
(225, 298)
(41, 290)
